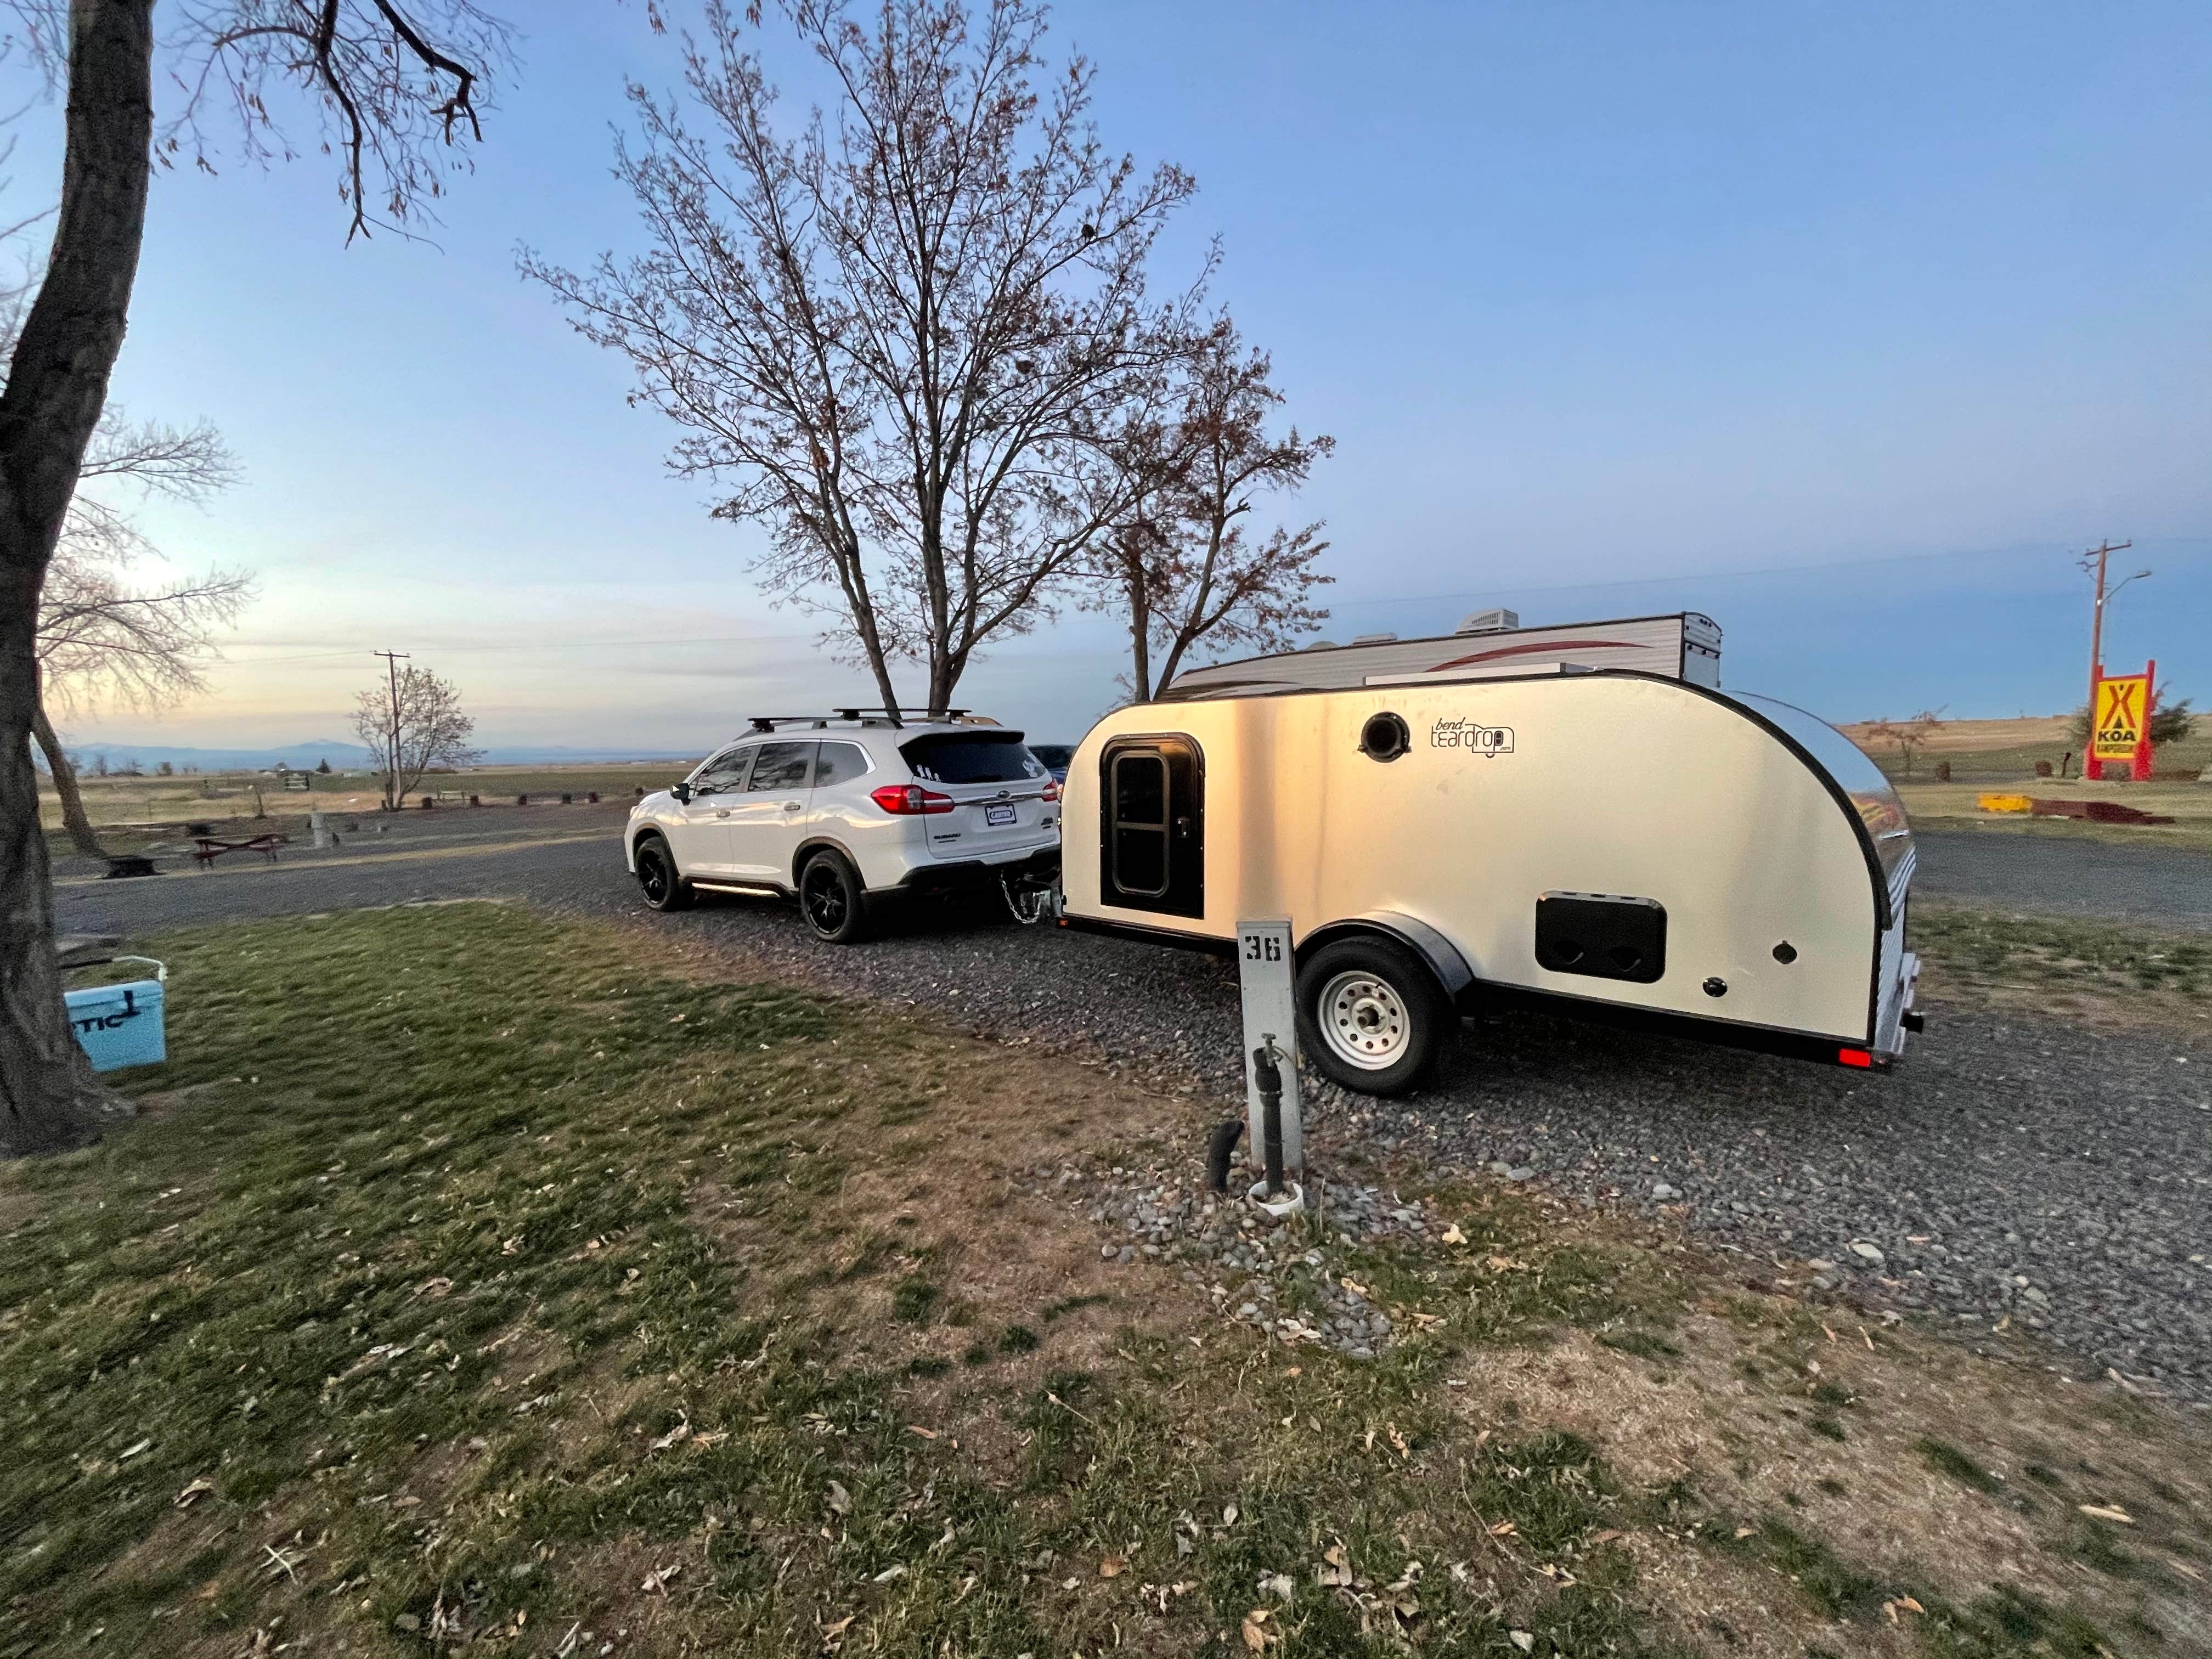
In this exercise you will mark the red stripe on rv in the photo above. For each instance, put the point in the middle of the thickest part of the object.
(1527, 650)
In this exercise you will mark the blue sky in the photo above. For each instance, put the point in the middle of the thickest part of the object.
(1847, 325)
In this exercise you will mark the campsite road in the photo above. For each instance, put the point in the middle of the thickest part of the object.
(2013, 1166)
(2068, 876)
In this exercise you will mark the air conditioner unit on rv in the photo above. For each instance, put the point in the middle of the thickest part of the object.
(1496, 621)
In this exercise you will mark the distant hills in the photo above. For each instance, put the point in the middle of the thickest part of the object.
(344, 756)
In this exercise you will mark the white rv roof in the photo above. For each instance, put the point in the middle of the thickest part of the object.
(1684, 646)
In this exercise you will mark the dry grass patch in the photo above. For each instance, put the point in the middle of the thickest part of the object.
(581, 1303)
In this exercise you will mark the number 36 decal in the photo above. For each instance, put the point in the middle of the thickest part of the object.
(1260, 948)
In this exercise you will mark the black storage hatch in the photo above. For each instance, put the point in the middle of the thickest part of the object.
(1605, 935)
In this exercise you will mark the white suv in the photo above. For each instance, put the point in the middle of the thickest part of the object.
(846, 810)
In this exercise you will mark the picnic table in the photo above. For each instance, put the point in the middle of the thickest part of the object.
(207, 849)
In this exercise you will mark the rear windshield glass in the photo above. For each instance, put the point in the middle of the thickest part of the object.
(985, 757)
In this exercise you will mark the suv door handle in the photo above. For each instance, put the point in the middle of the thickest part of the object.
(792, 805)
(721, 811)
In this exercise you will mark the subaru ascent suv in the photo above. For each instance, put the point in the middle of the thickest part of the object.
(850, 811)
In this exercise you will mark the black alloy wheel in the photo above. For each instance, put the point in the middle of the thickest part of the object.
(831, 898)
(656, 877)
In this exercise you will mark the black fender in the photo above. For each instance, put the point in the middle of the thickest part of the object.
(1424, 941)
(814, 844)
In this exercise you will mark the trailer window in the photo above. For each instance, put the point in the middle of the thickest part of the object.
(1141, 824)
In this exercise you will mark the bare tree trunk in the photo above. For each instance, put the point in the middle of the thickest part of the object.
(57, 387)
(1140, 633)
(64, 776)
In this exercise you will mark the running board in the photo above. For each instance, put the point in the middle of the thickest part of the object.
(758, 889)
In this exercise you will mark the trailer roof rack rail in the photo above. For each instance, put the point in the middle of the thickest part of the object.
(876, 714)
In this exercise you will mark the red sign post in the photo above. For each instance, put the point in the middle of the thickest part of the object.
(2120, 709)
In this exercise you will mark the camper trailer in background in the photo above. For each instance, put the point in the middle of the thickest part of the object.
(1575, 818)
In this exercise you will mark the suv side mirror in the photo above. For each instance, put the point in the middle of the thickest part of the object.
(681, 791)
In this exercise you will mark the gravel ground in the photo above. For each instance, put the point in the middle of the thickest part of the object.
(2014, 1167)
(1285, 1277)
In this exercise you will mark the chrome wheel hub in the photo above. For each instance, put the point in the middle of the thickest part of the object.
(1363, 1021)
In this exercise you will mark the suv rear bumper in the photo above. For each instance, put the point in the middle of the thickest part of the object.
(970, 875)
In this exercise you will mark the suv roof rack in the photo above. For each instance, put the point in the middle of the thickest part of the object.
(876, 715)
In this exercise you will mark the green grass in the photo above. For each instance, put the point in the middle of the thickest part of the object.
(1990, 948)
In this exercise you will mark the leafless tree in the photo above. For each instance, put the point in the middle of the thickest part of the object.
(412, 722)
(395, 86)
(907, 333)
(103, 639)
(1184, 559)
(1907, 737)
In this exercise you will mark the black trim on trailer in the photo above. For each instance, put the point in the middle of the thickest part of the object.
(1661, 1022)
(1478, 996)
(1172, 938)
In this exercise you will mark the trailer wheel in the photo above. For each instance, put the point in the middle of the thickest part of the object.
(1371, 1015)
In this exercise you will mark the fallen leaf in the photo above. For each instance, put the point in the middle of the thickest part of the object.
(840, 1501)
(927, 1434)
(1229, 1515)
(1523, 1640)
(682, 1431)
(889, 1573)
(185, 1498)
(131, 1452)
(1111, 1566)
(1745, 1532)
(1910, 1605)
(1503, 1529)
(2108, 1512)
(1608, 1536)
(1277, 1584)
(1335, 1569)
(1256, 1631)
(1453, 1236)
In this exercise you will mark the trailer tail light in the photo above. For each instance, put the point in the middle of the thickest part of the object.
(1854, 1057)
(910, 800)
(1051, 793)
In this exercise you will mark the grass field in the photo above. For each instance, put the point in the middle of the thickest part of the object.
(2000, 751)
(607, 1306)
(124, 802)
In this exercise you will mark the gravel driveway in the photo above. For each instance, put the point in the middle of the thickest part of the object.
(2012, 1167)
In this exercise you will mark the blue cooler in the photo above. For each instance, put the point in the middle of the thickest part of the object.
(120, 1025)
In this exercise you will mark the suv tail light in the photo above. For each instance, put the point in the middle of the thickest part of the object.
(910, 799)
(1051, 792)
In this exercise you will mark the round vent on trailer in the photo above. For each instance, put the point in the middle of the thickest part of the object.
(1384, 738)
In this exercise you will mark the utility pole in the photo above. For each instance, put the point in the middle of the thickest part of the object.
(393, 659)
(2100, 553)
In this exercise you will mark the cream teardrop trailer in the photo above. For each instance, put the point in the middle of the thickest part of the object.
(1464, 822)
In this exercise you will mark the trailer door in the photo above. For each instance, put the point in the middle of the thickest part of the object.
(1151, 848)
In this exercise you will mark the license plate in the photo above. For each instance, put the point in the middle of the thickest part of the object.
(998, 815)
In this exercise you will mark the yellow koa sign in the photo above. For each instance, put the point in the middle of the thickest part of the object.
(2122, 712)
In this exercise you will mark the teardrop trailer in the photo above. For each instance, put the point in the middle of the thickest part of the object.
(1463, 823)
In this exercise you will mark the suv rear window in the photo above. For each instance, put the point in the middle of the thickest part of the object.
(985, 757)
